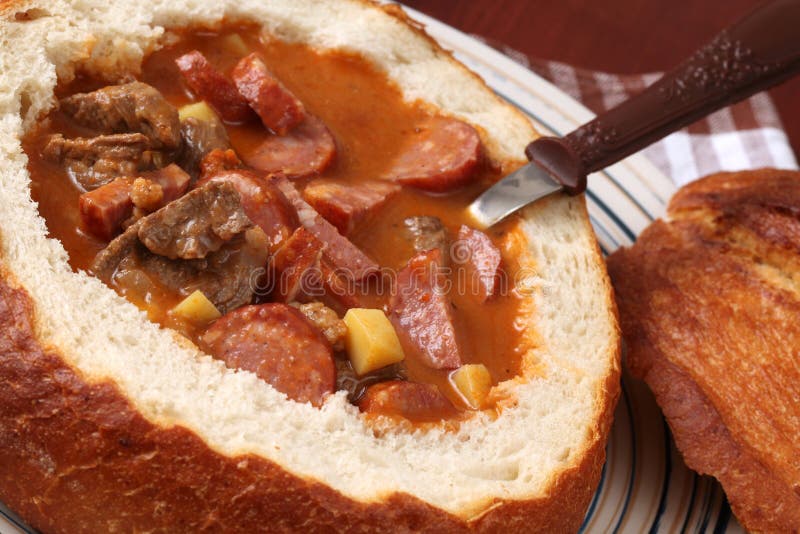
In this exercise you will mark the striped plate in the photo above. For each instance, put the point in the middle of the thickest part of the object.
(645, 486)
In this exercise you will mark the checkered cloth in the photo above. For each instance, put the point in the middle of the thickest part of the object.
(747, 135)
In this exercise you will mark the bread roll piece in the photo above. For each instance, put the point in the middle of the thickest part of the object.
(109, 423)
(709, 303)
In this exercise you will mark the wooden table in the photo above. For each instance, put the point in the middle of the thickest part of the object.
(622, 36)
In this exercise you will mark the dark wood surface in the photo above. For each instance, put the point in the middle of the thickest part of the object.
(622, 36)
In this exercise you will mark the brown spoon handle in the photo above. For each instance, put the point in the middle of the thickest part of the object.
(759, 51)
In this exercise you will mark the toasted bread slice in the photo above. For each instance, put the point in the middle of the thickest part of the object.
(110, 423)
(709, 302)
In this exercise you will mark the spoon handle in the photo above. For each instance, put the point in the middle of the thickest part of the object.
(757, 52)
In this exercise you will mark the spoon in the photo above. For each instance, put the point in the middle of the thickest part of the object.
(757, 52)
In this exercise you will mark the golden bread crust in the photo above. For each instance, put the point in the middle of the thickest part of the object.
(708, 305)
(77, 457)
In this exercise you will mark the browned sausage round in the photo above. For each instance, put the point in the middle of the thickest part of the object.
(213, 87)
(279, 109)
(443, 155)
(280, 345)
(305, 151)
(412, 400)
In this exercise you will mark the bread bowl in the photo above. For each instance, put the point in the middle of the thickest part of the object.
(100, 432)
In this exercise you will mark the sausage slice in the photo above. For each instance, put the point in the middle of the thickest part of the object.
(279, 109)
(442, 155)
(277, 343)
(342, 253)
(345, 206)
(305, 151)
(214, 87)
(421, 312)
(480, 260)
(412, 400)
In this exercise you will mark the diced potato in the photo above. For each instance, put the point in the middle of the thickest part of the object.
(371, 341)
(197, 309)
(199, 110)
(235, 44)
(473, 382)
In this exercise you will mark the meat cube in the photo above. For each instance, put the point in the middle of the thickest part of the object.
(104, 210)
(94, 162)
(279, 109)
(421, 312)
(345, 206)
(214, 87)
(480, 259)
(131, 107)
(344, 256)
(196, 224)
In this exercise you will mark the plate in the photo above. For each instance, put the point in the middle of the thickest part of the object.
(645, 486)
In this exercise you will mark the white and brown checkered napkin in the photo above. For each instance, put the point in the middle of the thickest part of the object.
(747, 135)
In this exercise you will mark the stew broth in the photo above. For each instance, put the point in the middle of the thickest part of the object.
(371, 123)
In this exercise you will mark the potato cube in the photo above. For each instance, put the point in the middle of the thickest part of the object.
(235, 44)
(197, 309)
(371, 341)
(199, 110)
(473, 382)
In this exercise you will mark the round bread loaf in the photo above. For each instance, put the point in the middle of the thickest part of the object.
(110, 423)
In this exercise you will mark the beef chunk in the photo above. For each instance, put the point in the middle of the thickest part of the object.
(199, 138)
(94, 162)
(131, 107)
(226, 276)
(196, 224)
(261, 200)
(426, 233)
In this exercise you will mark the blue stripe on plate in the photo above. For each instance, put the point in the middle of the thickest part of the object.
(706, 514)
(662, 503)
(611, 215)
(692, 498)
(14, 521)
(596, 497)
(627, 401)
(723, 518)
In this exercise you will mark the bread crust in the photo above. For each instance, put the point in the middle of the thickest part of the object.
(708, 308)
(79, 456)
